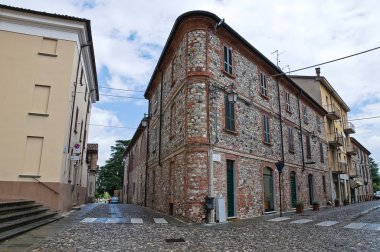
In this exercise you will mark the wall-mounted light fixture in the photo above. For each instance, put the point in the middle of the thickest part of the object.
(232, 94)
(144, 121)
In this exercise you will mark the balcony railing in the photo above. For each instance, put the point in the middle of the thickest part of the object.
(335, 140)
(349, 128)
(351, 150)
(333, 113)
(342, 167)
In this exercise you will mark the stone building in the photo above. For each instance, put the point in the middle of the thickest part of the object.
(338, 131)
(199, 142)
(360, 173)
(49, 82)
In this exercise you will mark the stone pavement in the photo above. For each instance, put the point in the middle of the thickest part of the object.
(256, 234)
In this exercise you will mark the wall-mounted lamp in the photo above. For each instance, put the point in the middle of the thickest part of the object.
(144, 121)
(232, 94)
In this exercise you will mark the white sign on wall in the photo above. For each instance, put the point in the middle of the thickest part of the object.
(76, 148)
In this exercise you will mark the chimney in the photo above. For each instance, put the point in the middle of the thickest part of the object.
(318, 71)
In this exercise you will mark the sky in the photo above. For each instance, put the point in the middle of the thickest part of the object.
(129, 37)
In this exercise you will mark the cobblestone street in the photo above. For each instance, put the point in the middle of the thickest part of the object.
(102, 227)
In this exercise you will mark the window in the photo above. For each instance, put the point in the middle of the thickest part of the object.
(263, 81)
(172, 119)
(229, 114)
(321, 152)
(41, 96)
(76, 121)
(227, 52)
(287, 101)
(305, 115)
(291, 139)
(154, 139)
(308, 147)
(324, 183)
(318, 123)
(266, 129)
(85, 94)
(33, 154)
(48, 47)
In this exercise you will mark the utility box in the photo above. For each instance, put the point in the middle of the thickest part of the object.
(220, 209)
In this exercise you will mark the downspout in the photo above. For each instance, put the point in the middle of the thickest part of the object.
(300, 124)
(161, 120)
(211, 152)
(146, 158)
(280, 113)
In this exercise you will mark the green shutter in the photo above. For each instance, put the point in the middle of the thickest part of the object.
(230, 189)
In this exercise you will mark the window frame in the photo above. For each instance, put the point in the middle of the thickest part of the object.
(287, 102)
(290, 139)
(263, 85)
(230, 120)
(305, 115)
(227, 60)
(308, 147)
(266, 129)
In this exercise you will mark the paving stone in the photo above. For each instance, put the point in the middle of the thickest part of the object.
(373, 226)
(88, 220)
(137, 221)
(327, 223)
(112, 220)
(160, 220)
(357, 225)
(279, 219)
(301, 221)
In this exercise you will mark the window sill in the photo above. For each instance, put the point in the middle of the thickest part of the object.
(38, 114)
(47, 54)
(232, 132)
(266, 97)
(291, 151)
(267, 143)
(231, 76)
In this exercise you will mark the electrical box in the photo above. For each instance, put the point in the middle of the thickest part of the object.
(220, 209)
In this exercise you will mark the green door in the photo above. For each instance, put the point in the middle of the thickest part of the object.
(293, 189)
(268, 190)
(230, 189)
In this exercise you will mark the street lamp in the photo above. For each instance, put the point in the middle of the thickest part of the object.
(280, 166)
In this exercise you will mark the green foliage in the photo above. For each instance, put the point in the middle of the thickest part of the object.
(299, 204)
(111, 175)
(374, 167)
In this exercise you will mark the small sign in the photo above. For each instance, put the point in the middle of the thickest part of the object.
(76, 148)
(216, 158)
(75, 158)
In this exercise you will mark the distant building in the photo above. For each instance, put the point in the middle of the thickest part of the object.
(48, 76)
(92, 163)
(338, 131)
(221, 115)
(360, 173)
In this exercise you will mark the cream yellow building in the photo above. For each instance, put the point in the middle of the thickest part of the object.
(338, 130)
(48, 83)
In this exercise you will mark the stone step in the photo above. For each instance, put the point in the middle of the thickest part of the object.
(21, 214)
(6, 226)
(10, 203)
(19, 230)
(12, 209)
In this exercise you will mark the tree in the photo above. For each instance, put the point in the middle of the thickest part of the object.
(111, 175)
(375, 174)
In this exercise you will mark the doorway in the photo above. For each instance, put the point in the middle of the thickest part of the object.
(293, 189)
(231, 212)
(268, 190)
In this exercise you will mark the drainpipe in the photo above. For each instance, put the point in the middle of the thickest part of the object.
(282, 143)
(147, 158)
(300, 124)
(161, 120)
(211, 154)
